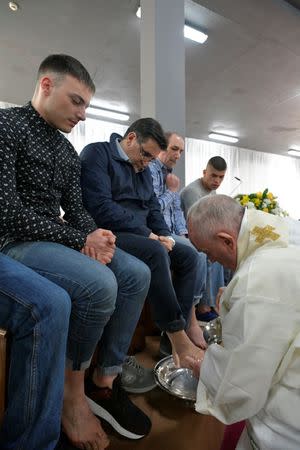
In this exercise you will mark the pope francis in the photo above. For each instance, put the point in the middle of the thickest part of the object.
(255, 375)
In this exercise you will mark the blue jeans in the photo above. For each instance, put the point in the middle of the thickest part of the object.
(209, 276)
(36, 314)
(106, 300)
(215, 280)
(201, 272)
(171, 298)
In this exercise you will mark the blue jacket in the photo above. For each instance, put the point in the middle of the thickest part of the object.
(118, 198)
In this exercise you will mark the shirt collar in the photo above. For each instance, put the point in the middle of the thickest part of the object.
(241, 242)
(121, 152)
(40, 120)
(163, 166)
(260, 229)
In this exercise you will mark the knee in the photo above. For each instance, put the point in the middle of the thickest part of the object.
(57, 306)
(104, 291)
(158, 250)
(202, 262)
(193, 255)
(140, 273)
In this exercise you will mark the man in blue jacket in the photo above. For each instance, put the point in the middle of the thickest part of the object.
(118, 192)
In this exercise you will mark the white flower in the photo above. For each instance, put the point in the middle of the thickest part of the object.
(250, 205)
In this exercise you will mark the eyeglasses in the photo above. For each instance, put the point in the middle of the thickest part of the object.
(146, 155)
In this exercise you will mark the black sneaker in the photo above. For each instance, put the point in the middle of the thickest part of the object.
(114, 406)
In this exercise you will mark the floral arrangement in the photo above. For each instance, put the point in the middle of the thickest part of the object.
(264, 201)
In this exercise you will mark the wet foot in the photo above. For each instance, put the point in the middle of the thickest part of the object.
(195, 334)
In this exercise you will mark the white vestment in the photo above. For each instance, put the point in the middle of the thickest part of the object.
(255, 375)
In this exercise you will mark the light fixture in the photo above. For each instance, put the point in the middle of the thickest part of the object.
(193, 34)
(107, 113)
(294, 151)
(223, 137)
(228, 132)
(188, 31)
(13, 6)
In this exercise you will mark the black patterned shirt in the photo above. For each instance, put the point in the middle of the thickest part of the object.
(39, 173)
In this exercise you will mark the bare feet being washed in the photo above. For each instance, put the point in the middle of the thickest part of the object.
(195, 334)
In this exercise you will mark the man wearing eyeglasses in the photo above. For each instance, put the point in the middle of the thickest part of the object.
(118, 192)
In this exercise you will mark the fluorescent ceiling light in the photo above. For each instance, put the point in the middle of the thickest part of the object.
(13, 6)
(188, 31)
(226, 132)
(294, 152)
(99, 112)
(223, 137)
(194, 35)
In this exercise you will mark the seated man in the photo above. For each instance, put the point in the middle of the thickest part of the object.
(36, 313)
(256, 374)
(118, 192)
(39, 172)
(213, 176)
(166, 186)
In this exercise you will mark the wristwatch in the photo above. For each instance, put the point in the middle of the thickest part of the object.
(172, 240)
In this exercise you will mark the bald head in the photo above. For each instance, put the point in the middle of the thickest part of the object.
(214, 223)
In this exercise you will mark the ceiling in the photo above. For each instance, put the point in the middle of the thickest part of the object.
(244, 79)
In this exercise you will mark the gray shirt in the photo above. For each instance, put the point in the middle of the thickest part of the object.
(192, 193)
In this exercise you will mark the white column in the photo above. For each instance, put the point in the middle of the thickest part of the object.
(163, 66)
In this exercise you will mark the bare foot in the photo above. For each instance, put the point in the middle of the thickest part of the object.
(195, 334)
(188, 356)
(194, 331)
(195, 366)
(182, 347)
(81, 426)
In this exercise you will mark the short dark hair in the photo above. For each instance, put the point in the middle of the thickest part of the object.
(66, 65)
(148, 128)
(218, 163)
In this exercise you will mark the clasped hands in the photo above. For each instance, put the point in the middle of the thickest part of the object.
(167, 243)
(100, 245)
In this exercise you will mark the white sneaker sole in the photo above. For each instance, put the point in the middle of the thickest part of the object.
(142, 390)
(101, 412)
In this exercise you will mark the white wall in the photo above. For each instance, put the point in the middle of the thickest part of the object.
(257, 170)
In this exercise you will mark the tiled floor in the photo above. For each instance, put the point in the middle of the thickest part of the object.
(175, 425)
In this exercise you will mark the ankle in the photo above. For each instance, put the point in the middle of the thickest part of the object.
(74, 385)
(101, 380)
(202, 309)
(179, 340)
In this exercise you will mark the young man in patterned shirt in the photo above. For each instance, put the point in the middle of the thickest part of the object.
(39, 173)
